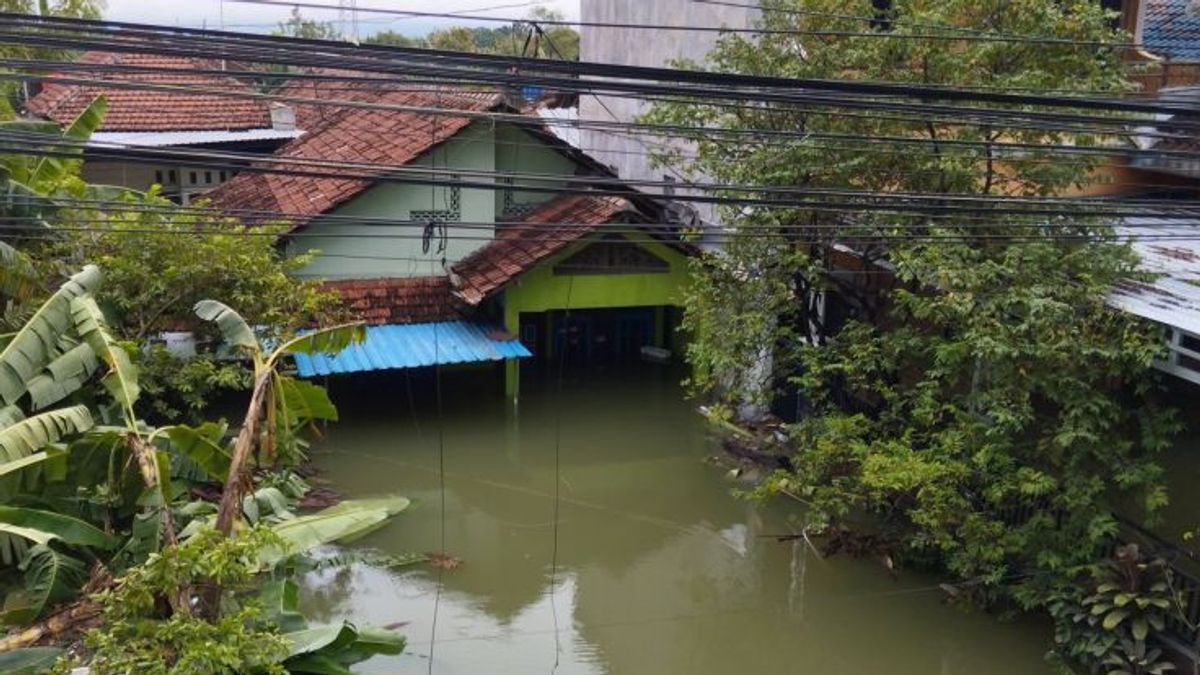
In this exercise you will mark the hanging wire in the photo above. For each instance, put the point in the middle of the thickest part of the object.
(558, 408)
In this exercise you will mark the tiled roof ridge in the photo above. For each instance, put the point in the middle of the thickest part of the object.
(398, 300)
(516, 250)
(377, 136)
(198, 102)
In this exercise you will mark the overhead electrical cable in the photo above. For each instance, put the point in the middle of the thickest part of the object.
(133, 38)
(720, 29)
(38, 144)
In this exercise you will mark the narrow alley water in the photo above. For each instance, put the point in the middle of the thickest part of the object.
(660, 570)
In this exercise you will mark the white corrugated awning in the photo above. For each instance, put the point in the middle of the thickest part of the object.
(165, 138)
(1169, 248)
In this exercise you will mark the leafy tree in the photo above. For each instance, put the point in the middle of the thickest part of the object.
(393, 39)
(981, 401)
(519, 39)
(455, 38)
(300, 26)
(11, 90)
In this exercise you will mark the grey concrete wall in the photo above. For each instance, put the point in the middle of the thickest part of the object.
(626, 153)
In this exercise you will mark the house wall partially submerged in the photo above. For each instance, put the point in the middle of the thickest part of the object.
(546, 292)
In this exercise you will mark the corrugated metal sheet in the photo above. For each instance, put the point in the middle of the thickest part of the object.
(413, 346)
(164, 138)
(1174, 297)
(562, 122)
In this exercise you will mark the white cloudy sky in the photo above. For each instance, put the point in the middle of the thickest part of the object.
(260, 18)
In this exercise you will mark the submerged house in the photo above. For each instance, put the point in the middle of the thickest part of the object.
(487, 238)
(162, 101)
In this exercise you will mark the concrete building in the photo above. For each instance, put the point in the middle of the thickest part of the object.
(162, 101)
(628, 154)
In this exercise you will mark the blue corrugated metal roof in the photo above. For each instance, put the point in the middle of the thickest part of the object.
(413, 346)
(1171, 29)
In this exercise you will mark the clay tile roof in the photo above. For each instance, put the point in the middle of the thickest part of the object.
(132, 109)
(399, 300)
(371, 136)
(519, 248)
(1171, 29)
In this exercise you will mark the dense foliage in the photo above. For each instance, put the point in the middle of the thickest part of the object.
(555, 42)
(102, 515)
(966, 385)
(159, 261)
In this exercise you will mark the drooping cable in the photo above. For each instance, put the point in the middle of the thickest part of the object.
(558, 407)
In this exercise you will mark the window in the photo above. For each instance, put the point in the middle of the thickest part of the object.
(208, 177)
(158, 177)
(669, 188)
(191, 177)
(883, 15)
(451, 213)
(171, 177)
(613, 255)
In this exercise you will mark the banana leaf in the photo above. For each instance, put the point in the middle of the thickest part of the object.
(325, 340)
(122, 377)
(50, 577)
(331, 649)
(30, 435)
(199, 450)
(234, 328)
(18, 278)
(347, 521)
(37, 342)
(51, 170)
(29, 661)
(305, 402)
(43, 527)
(63, 376)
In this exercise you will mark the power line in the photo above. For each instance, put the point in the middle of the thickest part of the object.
(200, 214)
(728, 30)
(37, 144)
(973, 118)
(131, 33)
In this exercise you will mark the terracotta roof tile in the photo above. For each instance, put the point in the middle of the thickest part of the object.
(372, 136)
(131, 109)
(517, 249)
(399, 300)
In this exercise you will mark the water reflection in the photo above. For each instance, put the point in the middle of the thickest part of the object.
(660, 570)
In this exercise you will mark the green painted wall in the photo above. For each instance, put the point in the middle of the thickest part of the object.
(540, 290)
(399, 254)
(481, 146)
(516, 150)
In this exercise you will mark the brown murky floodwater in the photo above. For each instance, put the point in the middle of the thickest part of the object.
(660, 569)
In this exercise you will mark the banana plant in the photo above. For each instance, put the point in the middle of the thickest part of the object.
(28, 184)
(281, 396)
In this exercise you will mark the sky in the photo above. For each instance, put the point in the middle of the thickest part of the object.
(260, 18)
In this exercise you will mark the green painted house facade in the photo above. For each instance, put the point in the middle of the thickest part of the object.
(578, 272)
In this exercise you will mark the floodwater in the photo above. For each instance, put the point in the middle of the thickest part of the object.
(659, 568)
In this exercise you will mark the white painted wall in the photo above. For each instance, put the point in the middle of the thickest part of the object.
(634, 47)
